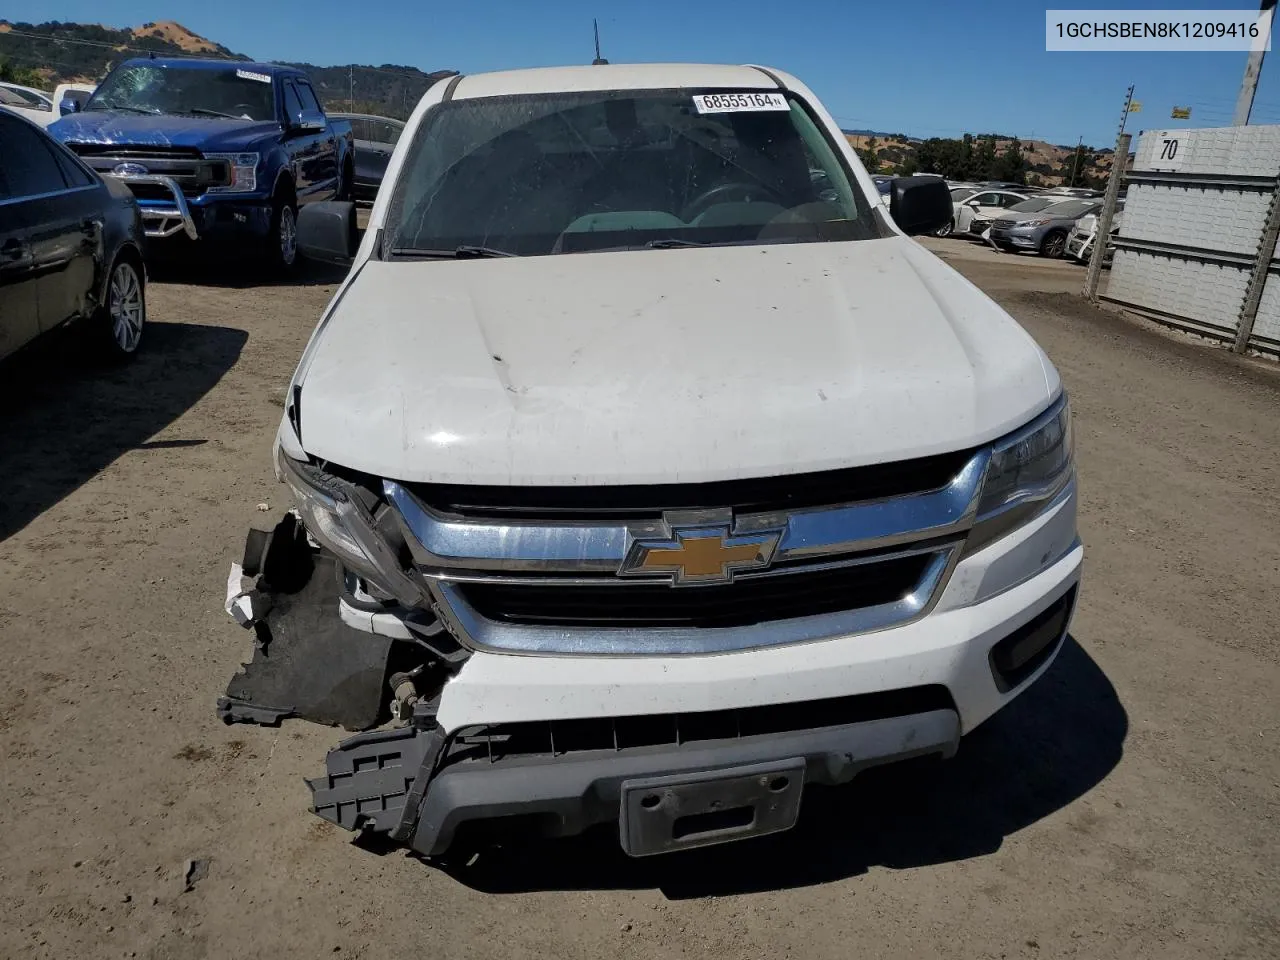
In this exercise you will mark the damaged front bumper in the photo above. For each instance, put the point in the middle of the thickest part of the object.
(324, 654)
(476, 750)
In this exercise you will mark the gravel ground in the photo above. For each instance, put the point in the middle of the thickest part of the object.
(1126, 806)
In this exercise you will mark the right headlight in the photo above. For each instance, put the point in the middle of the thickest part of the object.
(1027, 470)
(333, 514)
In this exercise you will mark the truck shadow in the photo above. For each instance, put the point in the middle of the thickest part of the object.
(239, 273)
(67, 415)
(1049, 747)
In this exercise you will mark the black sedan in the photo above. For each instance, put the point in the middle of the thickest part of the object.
(70, 245)
(375, 139)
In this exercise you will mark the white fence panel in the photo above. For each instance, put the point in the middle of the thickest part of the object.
(1196, 210)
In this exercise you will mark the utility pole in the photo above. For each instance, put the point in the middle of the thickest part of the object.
(1102, 229)
(1075, 167)
(1253, 67)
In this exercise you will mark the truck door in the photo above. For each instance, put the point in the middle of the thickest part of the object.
(302, 145)
(325, 177)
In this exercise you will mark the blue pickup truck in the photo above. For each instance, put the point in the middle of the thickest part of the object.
(214, 150)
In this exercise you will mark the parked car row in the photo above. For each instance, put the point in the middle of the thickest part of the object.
(165, 156)
(1049, 222)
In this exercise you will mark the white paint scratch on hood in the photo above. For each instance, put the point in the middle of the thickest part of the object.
(664, 365)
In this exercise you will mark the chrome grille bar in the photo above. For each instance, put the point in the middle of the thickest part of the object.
(444, 544)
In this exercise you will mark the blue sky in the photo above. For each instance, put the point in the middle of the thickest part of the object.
(927, 68)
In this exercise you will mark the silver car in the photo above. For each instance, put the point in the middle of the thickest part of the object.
(1044, 230)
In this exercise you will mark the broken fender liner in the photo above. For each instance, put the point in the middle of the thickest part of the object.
(307, 662)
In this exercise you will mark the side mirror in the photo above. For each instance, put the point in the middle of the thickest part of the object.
(327, 231)
(972, 203)
(309, 121)
(68, 105)
(920, 204)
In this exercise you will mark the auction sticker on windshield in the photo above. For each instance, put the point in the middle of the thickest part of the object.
(250, 75)
(738, 102)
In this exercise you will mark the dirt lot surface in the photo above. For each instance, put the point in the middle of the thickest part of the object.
(1127, 806)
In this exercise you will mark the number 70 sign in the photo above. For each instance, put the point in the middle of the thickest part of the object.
(1163, 150)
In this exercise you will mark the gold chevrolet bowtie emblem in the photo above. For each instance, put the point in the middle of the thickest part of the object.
(704, 555)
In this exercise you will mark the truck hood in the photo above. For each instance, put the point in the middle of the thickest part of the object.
(652, 366)
(205, 133)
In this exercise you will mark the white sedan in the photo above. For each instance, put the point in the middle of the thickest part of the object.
(975, 208)
(31, 104)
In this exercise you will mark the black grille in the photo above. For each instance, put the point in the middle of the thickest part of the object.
(648, 501)
(188, 169)
(559, 737)
(124, 152)
(736, 604)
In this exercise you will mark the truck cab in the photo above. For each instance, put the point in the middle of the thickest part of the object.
(678, 474)
(214, 150)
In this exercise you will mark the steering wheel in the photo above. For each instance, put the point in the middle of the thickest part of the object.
(724, 193)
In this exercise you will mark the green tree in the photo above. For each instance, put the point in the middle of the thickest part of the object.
(907, 167)
(964, 169)
(1075, 171)
(984, 159)
(869, 155)
(23, 77)
(1012, 165)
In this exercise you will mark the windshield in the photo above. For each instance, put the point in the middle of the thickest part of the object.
(1034, 204)
(563, 173)
(1073, 209)
(961, 193)
(152, 88)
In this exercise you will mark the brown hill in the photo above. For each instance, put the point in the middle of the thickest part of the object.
(176, 34)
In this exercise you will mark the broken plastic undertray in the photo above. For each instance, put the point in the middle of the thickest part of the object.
(307, 662)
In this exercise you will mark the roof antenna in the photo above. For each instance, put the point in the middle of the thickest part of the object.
(595, 25)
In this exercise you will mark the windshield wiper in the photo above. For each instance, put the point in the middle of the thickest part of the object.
(149, 113)
(664, 243)
(212, 113)
(464, 252)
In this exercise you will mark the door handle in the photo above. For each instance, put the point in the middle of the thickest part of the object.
(13, 250)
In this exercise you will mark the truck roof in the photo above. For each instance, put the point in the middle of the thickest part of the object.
(617, 76)
(217, 63)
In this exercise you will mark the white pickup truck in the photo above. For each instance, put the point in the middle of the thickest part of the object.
(646, 483)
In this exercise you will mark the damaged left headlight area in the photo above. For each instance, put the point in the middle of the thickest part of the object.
(340, 514)
(344, 632)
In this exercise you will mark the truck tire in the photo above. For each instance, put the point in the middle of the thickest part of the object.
(282, 239)
(119, 322)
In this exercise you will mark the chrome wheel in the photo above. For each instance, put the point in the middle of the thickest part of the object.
(126, 307)
(1053, 246)
(288, 236)
(945, 229)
